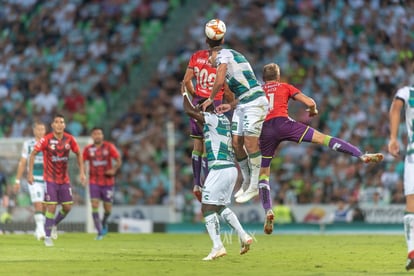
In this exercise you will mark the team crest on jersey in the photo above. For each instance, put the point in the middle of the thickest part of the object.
(52, 146)
(67, 146)
(105, 152)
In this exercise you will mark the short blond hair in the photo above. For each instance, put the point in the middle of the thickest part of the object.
(271, 72)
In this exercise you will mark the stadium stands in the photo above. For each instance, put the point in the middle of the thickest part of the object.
(349, 55)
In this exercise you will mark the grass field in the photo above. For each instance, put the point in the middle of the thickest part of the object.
(181, 254)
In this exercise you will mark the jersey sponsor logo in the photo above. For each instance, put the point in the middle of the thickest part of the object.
(59, 159)
(97, 163)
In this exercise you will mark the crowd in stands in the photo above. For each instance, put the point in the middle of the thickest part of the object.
(349, 55)
(67, 56)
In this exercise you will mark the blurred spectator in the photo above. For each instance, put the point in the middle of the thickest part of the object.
(341, 213)
(283, 213)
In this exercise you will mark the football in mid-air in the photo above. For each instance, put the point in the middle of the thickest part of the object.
(215, 29)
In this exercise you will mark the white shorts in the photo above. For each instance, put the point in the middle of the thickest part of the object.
(409, 175)
(219, 186)
(248, 118)
(37, 191)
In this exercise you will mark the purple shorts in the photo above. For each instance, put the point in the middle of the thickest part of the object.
(196, 132)
(104, 193)
(281, 129)
(58, 193)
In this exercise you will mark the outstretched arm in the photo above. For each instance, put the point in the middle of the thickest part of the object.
(309, 102)
(394, 115)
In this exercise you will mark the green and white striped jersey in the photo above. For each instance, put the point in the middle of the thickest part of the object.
(28, 147)
(217, 136)
(406, 94)
(239, 76)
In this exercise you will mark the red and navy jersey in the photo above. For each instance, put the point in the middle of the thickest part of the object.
(56, 156)
(100, 160)
(279, 94)
(204, 73)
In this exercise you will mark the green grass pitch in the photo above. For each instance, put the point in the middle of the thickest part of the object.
(181, 254)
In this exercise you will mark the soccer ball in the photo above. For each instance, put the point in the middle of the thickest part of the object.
(215, 29)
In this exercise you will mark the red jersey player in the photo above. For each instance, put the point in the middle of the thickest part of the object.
(100, 155)
(279, 127)
(56, 147)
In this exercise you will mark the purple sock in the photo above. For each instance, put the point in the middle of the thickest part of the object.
(344, 147)
(264, 194)
(196, 162)
(205, 166)
(97, 222)
(59, 217)
(48, 226)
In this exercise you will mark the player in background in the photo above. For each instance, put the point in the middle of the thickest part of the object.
(56, 147)
(221, 179)
(250, 110)
(38, 187)
(404, 98)
(100, 155)
(279, 127)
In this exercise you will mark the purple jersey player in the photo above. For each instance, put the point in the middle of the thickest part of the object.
(279, 127)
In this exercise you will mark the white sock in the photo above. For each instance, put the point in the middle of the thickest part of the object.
(40, 221)
(230, 217)
(255, 163)
(245, 171)
(213, 229)
(409, 231)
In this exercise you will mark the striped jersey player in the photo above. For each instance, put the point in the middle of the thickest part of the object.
(404, 98)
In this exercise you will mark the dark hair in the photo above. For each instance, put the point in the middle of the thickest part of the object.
(209, 108)
(96, 128)
(59, 115)
(214, 43)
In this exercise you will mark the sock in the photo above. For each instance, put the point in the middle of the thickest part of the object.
(245, 171)
(196, 164)
(255, 160)
(50, 219)
(39, 220)
(230, 217)
(61, 215)
(213, 229)
(409, 231)
(341, 146)
(96, 221)
(264, 193)
(204, 166)
(105, 218)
